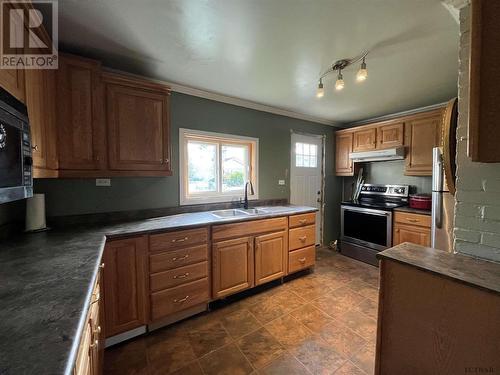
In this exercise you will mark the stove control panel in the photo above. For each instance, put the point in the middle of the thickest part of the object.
(386, 190)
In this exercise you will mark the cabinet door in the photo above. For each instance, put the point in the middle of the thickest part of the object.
(407, 233)
(365, 140)
(390, 135)
(125, 301)
(232, 266)
(138, 128)
(40, 101)
(81, 135)
(343, 146)
(12, 80)
(422, 135)
(271, 252)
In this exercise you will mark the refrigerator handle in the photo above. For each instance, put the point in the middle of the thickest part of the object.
(437, 169)
(437, 210)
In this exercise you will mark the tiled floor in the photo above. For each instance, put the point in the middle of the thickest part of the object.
(321, 323)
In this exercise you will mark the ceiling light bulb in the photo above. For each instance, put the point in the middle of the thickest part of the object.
(362, 72)
(339, 84)
(320, 92)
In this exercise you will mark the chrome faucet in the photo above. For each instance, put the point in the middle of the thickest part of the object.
(245, 202)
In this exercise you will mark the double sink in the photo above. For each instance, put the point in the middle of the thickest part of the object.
(244, 212)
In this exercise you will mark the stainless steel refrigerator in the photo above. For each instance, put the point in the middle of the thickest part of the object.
(443, 205)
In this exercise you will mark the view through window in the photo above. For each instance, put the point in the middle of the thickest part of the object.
(215, 167)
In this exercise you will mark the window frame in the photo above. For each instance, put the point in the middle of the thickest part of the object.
(220, 139)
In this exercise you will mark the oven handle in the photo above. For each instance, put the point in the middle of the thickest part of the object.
(366, 210)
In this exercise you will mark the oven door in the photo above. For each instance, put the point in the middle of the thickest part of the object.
(366, 227)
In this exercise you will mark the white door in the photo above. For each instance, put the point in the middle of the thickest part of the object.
(306, 175)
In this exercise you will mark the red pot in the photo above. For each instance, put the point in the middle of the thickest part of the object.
(421, 201)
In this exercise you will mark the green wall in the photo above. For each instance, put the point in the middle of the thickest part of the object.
(81, 196)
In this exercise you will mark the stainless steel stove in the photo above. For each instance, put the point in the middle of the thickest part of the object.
(366, 223)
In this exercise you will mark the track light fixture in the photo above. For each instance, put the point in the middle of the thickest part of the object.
(320, 92)
(340, 65)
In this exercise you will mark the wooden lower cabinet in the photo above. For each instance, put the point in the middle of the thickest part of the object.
(414, 228)
(89, 358)
(125, 293)
(270, 257)
(232, 266)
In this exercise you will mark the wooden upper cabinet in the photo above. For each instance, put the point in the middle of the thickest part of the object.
(12, 80)
(138, 124)
(365, 139)
(81, 127)
(40, 101)
(271, 252)
(232, 266)
(343, 147)
(390, 135)
(125, 294)
(422, 133)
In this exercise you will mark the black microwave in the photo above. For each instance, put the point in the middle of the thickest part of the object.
(16, 179)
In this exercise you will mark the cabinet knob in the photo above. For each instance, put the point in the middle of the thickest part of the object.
(302, 260)
(34, 148)
(101, 266)
(303, 239)
(97, 330)
(302, 221)
(94, 344)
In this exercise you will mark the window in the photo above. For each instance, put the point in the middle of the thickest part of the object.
(215, 167)
(306, 155)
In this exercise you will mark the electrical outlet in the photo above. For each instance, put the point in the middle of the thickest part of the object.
(281, 182)
(102, 182)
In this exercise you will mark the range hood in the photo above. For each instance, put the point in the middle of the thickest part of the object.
(378, 155)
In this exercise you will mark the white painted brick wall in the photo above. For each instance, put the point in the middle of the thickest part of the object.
(477, 211)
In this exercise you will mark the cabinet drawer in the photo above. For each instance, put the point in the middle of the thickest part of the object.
(178, 239)
(177, 276)
(179, 298)
(301, 237)
(302, 220)
(412, 219)
(302, 258)
(177, 258)
(226, 231)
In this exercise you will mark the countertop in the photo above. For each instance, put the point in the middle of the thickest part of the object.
(46, 281)
(472, 271)
(413, 210)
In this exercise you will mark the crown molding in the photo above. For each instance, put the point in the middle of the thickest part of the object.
(205, 94)
(398, 114)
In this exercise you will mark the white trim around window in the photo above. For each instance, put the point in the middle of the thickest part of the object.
(212, 186)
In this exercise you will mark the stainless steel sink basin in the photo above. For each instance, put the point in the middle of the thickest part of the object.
(272, 209)
(223, 214)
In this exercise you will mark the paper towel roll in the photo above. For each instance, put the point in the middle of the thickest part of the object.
(35, 213)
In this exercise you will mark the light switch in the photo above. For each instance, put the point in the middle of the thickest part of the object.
(102, 182)
(281, 182)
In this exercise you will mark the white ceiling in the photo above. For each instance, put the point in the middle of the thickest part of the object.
(273, 51)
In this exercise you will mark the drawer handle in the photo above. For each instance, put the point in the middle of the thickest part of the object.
(302, 221)
(413, 220)
(302, 260)
(303, 238)
(179, 239)
(97, 297)
(175, 259)
(184, 275)
(181, 300)
(94, 344)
